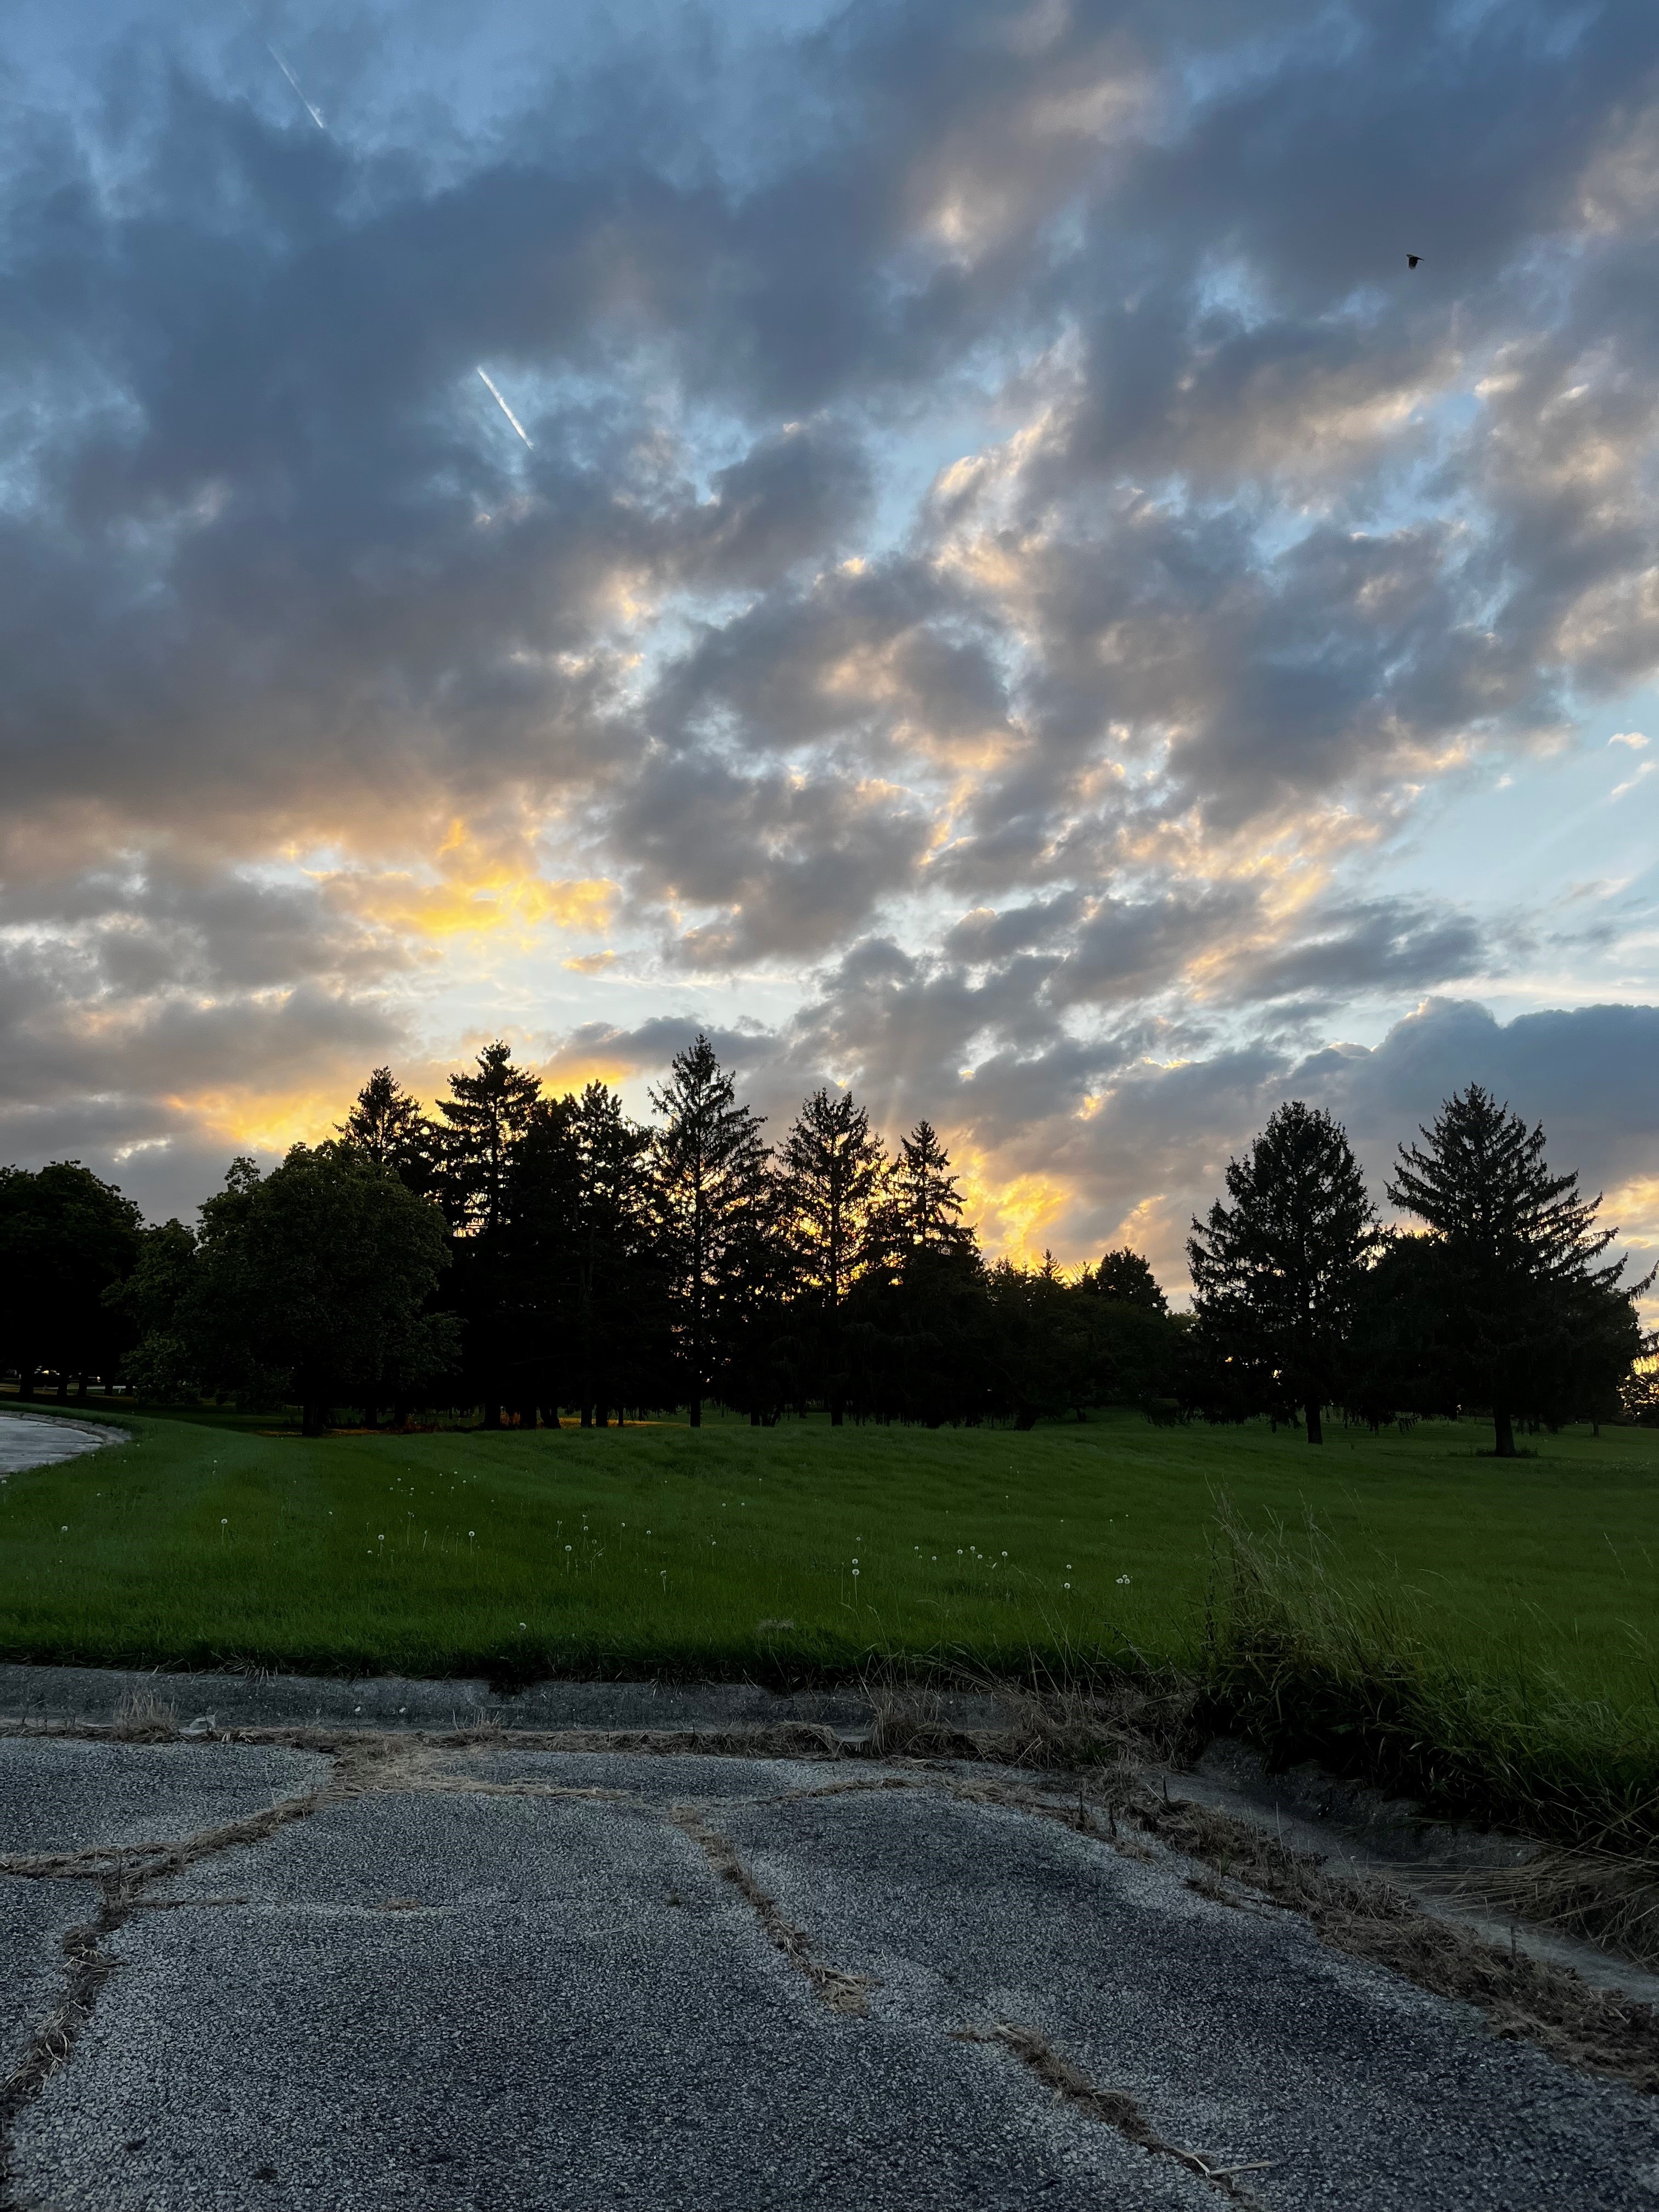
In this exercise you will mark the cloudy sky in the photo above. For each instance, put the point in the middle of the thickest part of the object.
(939, 540)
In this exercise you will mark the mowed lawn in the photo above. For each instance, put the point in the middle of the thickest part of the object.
(803, 1550)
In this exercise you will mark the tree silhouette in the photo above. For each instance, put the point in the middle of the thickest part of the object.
(1276, 1275)
(834, 1168)
(66, 1239)
(1125, 1275)
(387, 1126)
(311, 1283)
(1518, 1296)
(486, 1113)
(711, 1167)
(921, 1206)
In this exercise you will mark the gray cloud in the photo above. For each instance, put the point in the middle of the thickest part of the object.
(1252, 538)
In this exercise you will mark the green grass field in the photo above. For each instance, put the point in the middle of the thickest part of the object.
(801, 1551)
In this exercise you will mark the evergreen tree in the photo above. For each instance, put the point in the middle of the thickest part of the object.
(711, 1171)
(387, 1126)
(1276, 1275)
(1126, 1276)
(1524, 1314)
(485, 1116)
(835, 1169)
(486, 1113)
(921, 1206)
(620, 1273)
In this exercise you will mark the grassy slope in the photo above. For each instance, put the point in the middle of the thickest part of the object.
(208, 1543)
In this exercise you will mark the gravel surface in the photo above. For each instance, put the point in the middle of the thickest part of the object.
(454, 1985)
(69, 1797)
(34, 1918)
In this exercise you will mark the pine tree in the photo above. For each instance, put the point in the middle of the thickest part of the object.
(1517, 1293)
(486, 1113)
(1126, 1276)
(835, 1170)
(920, 1209)
(1276, 1275)
(387, 1126)
(618, 1258)
(711, 1172)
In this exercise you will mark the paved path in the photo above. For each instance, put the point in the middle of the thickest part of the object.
(397, 1970)
(42, 1440)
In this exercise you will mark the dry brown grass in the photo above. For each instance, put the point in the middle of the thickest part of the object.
(142, 1717)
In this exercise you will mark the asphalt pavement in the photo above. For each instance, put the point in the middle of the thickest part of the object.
(418, 1971)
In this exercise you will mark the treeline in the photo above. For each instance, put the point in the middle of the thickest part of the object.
(536, 1257)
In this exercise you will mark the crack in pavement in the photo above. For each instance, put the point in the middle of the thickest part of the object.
(1113, 2108)
(841, 1991)
(1521, 1997)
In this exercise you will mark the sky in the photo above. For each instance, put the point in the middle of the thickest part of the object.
(942, 543)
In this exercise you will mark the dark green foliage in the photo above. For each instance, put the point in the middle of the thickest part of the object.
(920, 1208)
(586, 1318)
(309, 1284)
(1125, 1278)
(66, 1240)
(834, 1174)
(387, 1125)
(486, 1113)
(712, 1188)
(597, 1265)
(1277, 1274)
(1513, 1313)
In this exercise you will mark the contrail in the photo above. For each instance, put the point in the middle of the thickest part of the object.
(294, 82)
(507, 410)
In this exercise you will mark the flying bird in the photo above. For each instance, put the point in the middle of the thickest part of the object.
(1411, 260)
(505, 409)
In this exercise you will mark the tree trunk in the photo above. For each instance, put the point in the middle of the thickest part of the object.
(63, 1387)
(834, 1411)
(587, 1414)
(26, 1383)
(1504, 1430)
(1315, 1426)
(81, 1388)
(311, 1418)
(696, 1411)
(492, 1416)
(754, 1417)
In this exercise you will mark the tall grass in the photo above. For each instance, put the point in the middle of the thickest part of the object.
(1368, 1675)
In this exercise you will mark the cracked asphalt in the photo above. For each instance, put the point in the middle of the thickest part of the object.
(420, 1972)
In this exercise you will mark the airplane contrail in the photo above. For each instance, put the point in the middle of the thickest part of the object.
(294, 82)
(507, 410)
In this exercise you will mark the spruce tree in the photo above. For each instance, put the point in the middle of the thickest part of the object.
(1276, 1275)
(711, 1175)
(921, 1208)
(388, 1127)
(1126, 1276)
(835, 1170)
(1523, 1309)
(486, 1113)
